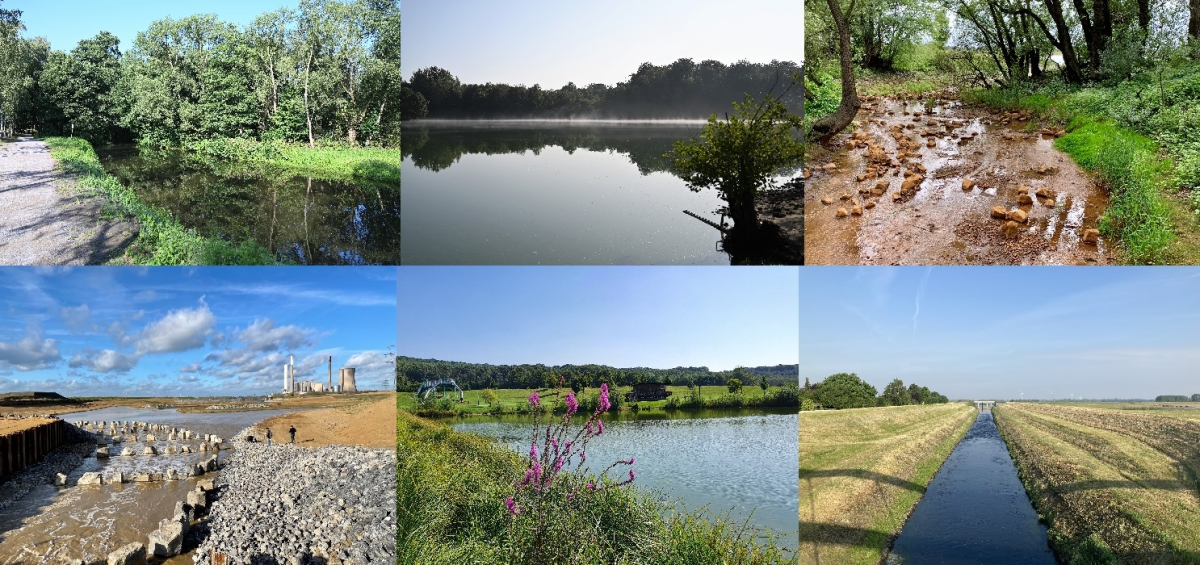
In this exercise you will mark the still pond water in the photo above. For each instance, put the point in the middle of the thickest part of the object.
(300, 219)
(743, 465)
(552, 192)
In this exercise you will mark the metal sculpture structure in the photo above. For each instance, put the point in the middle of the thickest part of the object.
(431, 385)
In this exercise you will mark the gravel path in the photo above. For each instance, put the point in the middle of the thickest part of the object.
(292, 505)
(41, 222)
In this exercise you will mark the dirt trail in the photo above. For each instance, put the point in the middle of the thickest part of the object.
(41, 222)
(938, 169)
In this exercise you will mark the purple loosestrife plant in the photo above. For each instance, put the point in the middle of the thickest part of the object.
(553, 483)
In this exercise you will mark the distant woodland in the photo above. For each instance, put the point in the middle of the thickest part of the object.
(411, 371)
(326, 70)
(683, 89)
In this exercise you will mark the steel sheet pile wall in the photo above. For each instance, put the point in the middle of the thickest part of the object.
(19, 450)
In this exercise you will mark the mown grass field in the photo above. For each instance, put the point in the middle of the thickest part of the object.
(863, 470)
(1113, 485)
(1185, 410)
(510, 400)
(450, 499)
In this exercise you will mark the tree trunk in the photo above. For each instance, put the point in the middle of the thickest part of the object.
(830, 125)
(1063, 41)
(307, 111)
(1144, 17)
(1194, 22)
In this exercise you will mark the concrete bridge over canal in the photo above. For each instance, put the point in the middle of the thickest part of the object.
(985, 405)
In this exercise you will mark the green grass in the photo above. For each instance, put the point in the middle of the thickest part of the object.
(450, 493)
(161, 239)
(328, 162)
(511, 401)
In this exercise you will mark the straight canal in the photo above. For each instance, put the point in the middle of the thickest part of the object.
(975, 510)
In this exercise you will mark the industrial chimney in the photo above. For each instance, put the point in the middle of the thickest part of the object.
(330, 372)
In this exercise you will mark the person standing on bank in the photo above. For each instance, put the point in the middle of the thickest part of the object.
(268, 437)
(292, 431)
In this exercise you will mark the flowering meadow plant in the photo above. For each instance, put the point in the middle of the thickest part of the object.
(555, 483)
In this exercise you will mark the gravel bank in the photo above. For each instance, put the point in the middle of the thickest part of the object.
(286, 504)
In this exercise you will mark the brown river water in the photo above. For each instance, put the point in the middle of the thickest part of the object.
(53, 524)
(942, 220)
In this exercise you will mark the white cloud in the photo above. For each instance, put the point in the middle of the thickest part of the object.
(104, 361)
(372, 367)
(179, 330)
(76, 318)
(31, 352)
(262, 335)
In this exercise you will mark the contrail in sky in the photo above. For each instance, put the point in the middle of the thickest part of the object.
(917, 309)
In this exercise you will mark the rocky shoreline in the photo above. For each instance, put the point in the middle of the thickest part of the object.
(288, 504)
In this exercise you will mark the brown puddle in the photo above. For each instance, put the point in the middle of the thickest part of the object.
(938, 221)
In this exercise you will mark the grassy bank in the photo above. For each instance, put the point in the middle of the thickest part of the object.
(329, 162)
(1113, 486)
(514, 401)
(161, 240)
(450, 496)
(862, 472)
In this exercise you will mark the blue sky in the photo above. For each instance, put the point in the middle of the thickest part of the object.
(660, 317)
(993, 332)
(66, 22)
(550, 42)
(213, 331)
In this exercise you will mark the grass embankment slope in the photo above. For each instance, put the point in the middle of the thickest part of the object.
(161, 239)
(1114, 486)
(450, 493)
(367, 423)
(862, 472)
(512, 401)
(328, 162)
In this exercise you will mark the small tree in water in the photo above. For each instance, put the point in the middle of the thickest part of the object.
(740, 156)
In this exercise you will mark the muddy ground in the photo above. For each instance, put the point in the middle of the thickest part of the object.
(929, 181)
(371, 425)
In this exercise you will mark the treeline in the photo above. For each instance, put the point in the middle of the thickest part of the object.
(1177, 398)
(683, 89)
(847, 390)
(327, 71)
(410, 372)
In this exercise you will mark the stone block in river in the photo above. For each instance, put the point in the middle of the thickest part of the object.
(172, 450)
(171, 436)
(198, 501)
(89, 479)
(167, 540)
(142, 478)
(102, 452)
(185, 449)
(149, 450)
(172, 475)
(60, 480)
(150, 438)
(132, 554)
(116, 478)
(127, 452)
(197, 470)
(206, 484)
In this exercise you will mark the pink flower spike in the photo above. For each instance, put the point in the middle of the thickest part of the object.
(534, 399)
(572, 404)
(630, 462)
(511, 506)
(591, 486)
(599, 427)
(632, 474)
(603, 404)
(533, 451)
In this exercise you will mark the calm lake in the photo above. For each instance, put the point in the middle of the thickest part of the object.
(552, 192)
(743, 465)
(300, 219)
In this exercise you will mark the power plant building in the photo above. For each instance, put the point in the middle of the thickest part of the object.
(345, 382)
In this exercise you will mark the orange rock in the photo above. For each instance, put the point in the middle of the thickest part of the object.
(999, 212)
(870, 204)
(827, 201)
(968, 184)
(857, 210)
(1011, 229)
(841, 212)
(1024, 200)
(1044, 193)
(845, 196)
(1050, 202)
(1018, 215)
(1091, 236)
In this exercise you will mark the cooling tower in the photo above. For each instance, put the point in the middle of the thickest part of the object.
(346, 377)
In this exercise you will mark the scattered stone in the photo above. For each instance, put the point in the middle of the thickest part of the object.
(1017, 215)
(856, 210)
(1011, 229)
(1050, 203)
(999, 212)
(60, 480)
(826, 201)
(102, 453)
(870, 204)
(841, 213)
(968, 184)
(167, 540)
(1024, 200)
(89, 479)
(149, 450)
(1044, 192)
(1091, 236)
(127, 452)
